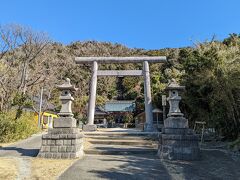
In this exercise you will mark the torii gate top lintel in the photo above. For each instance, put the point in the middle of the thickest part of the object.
(132, 59)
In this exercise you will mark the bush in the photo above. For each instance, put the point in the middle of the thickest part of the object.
(128, 118)
(235, 145)
(12, 129)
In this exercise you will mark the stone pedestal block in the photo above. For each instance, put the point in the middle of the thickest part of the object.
(64, 122)
(89, 127)
(176, 122)
(183, 131)
(62, 143)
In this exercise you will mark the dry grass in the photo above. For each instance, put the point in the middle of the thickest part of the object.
(49, 168)
(86, 143)
(8, 168)
(44, 169)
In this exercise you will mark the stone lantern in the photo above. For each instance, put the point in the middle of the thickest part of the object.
(174, 98)
(177, 141)
(66, 98)
(64, 140)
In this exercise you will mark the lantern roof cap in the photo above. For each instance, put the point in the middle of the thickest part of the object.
(173, 85)
(67, 86)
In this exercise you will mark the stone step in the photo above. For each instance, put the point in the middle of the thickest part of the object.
(120, 150)
(150, 134)
(121, 137)
(123, 142)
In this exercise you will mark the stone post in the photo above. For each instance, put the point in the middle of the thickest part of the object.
(164, 103)
(92, 99)
(148, 99)
(177, 141)
(64, 139)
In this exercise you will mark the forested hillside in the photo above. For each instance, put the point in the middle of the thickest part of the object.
(210, 71)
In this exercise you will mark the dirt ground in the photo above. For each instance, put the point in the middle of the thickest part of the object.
(8, 168)
(34, 168)
(48, 169)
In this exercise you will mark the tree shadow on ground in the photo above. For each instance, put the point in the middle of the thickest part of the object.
(213, 165)
(122, 167)
(134, 168)
(9, 151)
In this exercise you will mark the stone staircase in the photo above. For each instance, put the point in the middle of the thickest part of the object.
(121, 143)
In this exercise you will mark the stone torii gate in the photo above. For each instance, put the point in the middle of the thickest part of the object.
(95, 72)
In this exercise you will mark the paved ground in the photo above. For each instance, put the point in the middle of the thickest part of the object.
(214, 165)
(25, 148)
(116, 167)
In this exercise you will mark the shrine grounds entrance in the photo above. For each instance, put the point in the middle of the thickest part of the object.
(96, 72)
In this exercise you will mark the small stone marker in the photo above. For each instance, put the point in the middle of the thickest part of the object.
(177, 141)
(64, 140)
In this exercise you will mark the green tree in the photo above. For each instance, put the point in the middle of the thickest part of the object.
(212, 72)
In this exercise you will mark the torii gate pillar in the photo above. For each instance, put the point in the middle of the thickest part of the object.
(92, 99)
(148, 98)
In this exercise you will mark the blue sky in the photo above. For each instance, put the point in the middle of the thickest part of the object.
(149, 24)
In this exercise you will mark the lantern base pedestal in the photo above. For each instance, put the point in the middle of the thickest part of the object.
(176, 122)
(62, 143)
(178, 142)
(89, 127)
(64, 122)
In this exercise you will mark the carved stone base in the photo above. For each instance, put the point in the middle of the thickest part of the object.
(178, 143)
(62, 143)
(88, 127)
(179, 147)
